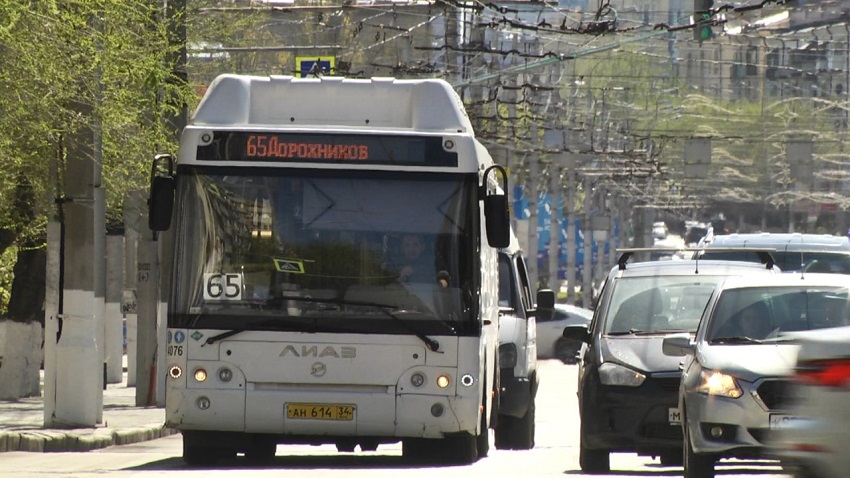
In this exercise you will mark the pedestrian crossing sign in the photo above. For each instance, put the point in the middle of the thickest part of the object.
(292, 266)
(315, 66)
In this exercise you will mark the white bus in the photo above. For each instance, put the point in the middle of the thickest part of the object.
(292, 318)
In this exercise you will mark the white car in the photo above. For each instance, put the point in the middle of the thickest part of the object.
(659, 230)
(550, 340)
(813, 443)
(737, 371)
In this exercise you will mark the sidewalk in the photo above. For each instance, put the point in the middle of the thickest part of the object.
(22, 424)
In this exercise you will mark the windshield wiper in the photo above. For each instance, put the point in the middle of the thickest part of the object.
(631, 332)
(221, 336)
(250, 326)
(736, 340)
(432, 344)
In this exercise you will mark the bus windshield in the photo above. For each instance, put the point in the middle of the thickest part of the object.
(325, 250)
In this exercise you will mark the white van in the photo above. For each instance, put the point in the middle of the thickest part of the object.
(518, 349)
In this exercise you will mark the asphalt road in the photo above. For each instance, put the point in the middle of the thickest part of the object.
(556, 454)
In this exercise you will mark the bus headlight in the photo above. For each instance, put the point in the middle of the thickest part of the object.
(200, 375)
(443, 380)
(417, 379)
(225, 374)
(467, 380)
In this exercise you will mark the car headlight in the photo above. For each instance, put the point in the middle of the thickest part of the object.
(718, 383)
(615, 374)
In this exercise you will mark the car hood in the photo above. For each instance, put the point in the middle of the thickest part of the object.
(750, 362)
(639, 352)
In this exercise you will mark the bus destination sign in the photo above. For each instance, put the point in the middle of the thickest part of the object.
(327, 148)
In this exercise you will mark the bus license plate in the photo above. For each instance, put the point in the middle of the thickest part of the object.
(319, 411)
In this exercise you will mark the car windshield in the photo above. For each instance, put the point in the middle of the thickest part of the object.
(759, 313)
(658, 304)
(791, 261)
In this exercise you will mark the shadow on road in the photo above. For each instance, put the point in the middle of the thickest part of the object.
(339, 462)
(724, 468)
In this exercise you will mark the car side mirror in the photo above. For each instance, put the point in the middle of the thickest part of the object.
(677, 345)
(545, 304)
(577, 332)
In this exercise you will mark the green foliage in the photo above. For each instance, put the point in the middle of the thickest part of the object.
(7, 265)
(97, 65)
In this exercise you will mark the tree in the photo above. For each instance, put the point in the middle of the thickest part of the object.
(109, 55)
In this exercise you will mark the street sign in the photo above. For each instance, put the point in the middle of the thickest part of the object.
(307, 66)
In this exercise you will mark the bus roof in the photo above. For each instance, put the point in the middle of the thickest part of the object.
(426, 105)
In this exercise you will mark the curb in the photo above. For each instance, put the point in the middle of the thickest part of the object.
(53, 441)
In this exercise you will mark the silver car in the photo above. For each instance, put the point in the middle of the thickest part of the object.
(736, 370)
(813, 443)
(550, 331)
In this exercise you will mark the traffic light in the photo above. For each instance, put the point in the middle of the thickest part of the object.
(702, 20)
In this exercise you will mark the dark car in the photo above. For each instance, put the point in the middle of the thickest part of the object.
(792, 252)
(627, 387)
(695, 233)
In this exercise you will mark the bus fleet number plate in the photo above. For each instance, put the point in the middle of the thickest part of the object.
(319, 411)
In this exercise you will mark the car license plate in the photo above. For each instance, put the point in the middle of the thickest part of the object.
(673, 416)
(319, 411)
(781, 421)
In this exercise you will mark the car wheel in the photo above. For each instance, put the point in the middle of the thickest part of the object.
(198, 451)
(593, 462)
(671, 458)
(514, 433)
(565, 351)
(696, 465)
(455, 450)
(795, 470)
(262, 451)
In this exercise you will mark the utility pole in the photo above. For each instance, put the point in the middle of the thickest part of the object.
(78, 371)
(52, 296)
(134, 202)
(587, 267)
(451, 44)
(114, 291)
(571, 243)
(534, 195)
(554, 225)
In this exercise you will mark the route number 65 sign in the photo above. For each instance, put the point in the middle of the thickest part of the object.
(223, 286)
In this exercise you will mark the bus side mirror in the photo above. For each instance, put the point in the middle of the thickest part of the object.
(161, 201)
(497, 220)
(496, 212)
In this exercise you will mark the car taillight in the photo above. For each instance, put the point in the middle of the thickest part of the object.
(825, 373)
